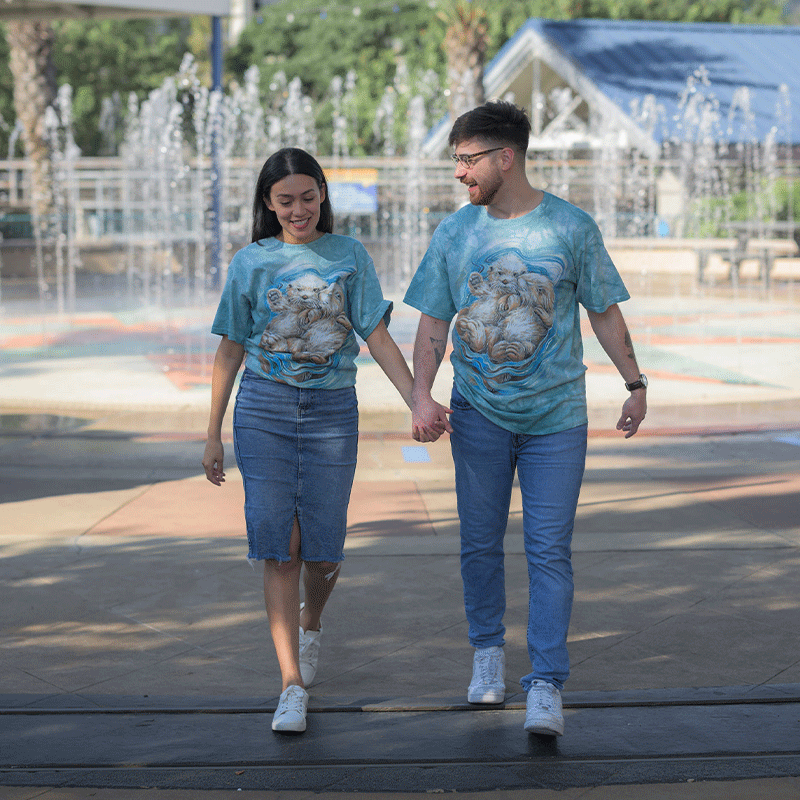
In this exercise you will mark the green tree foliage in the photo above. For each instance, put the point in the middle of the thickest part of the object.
(317, 39)
(380, 41)
(736, 11)
(507, 16)
(775, 198)
(396, 43)
(108, 59)
(104, 60)
(7, 116)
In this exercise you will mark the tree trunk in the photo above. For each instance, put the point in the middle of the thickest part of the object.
(465, 44)
(30, 45)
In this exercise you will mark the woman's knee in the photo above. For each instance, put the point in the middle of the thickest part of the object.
(325, 569)
(276, 567)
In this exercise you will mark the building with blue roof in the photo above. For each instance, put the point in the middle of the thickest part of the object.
(653, 127)
(649, 82)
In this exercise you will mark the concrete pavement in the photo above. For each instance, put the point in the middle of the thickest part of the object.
(134, 649)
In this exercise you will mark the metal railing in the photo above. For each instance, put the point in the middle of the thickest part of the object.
(113, 204)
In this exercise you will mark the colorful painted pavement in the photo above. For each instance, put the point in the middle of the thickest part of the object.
(735, 363)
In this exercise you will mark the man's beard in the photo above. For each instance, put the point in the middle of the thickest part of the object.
(485, 195)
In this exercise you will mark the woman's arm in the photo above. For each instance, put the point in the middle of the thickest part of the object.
(389, 358)
(226, 364)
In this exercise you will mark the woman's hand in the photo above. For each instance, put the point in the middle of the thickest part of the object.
(213, 461)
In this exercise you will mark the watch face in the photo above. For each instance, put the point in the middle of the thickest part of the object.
(641, 383)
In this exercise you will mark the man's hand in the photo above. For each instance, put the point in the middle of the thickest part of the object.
(429, 420)
(612, 333)
(633, 412)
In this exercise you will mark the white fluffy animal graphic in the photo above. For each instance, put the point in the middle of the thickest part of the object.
(309, 320)
(512, 312)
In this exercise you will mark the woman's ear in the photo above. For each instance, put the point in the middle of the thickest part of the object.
(323, 192)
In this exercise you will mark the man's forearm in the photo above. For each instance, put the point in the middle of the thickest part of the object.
(614, 337)
(429, 350)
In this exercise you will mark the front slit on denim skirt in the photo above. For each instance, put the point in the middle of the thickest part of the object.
(296, 450)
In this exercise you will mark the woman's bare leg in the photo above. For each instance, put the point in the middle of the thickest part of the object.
(319, 578)
(282, 599)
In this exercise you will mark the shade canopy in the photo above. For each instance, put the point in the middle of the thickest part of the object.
(119, 9)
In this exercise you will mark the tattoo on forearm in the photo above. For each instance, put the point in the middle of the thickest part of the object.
(439, 346)
(629, 345)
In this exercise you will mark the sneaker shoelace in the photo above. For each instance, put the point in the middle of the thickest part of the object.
(488, 667)
(544, 699)
(293, 701)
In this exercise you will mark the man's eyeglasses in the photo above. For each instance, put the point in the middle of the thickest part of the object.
(468, 160)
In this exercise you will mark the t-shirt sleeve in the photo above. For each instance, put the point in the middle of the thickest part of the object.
(234, 317)
(367, 304)
(599, 284)
(429, 290)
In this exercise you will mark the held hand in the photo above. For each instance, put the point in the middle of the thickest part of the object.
(429, 420)
(633, 412)
(212, 462)
(442, 422)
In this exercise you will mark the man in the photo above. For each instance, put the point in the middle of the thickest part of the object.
(511, 267)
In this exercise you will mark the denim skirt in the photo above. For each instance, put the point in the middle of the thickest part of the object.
(296, 450)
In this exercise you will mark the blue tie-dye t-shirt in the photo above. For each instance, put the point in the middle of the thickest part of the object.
(295, 308)
(513, 286)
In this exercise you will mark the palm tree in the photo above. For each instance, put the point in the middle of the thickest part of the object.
(465, 45)
(31, 45)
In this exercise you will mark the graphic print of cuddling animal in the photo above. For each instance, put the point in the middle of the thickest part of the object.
(512, 311)
(309, 321)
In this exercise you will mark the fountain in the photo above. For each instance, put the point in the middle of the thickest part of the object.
(136, 232)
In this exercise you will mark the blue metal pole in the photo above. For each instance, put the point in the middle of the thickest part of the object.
(216, 176)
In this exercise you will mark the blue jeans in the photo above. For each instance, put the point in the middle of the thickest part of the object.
(550, 471)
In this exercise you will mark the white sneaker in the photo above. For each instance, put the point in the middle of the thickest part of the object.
(488, 676)
(543, 710)
(309, 653)
(290, 715)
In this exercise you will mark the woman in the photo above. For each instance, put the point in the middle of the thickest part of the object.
(291, 304)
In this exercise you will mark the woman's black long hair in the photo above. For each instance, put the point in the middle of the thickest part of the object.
(285, 162)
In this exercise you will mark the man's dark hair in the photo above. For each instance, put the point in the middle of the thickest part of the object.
(497, 122)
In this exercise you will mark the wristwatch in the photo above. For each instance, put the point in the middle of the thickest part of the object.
(641, 383)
